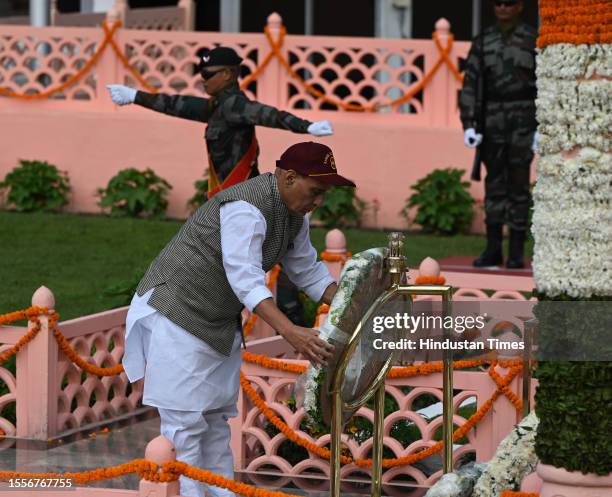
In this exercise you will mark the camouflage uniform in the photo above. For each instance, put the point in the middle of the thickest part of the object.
(231, 119)
(509, 94)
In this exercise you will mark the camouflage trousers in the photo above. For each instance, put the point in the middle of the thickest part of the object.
(507, 195)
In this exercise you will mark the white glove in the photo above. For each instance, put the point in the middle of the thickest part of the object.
(121, 95)
(321, 128)
(536, 142)
(471, 138)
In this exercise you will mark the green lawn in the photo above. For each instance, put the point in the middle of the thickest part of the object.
(79, 257)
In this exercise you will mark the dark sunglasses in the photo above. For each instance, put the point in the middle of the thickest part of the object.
(508, 3)
(206, 74)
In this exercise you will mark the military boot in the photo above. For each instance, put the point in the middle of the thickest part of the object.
(492, 255)
(515, 250)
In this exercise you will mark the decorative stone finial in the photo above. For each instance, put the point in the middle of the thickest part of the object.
(43, 297)
(443, 26)
(160, 450)
(335, 242)
(429, 267)
(275, 20)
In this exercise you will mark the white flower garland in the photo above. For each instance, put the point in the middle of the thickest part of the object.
(573, 113)
(572, 220)
(571, 62)
(514, 459)
(354, 274)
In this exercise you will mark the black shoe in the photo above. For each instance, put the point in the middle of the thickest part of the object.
(517, 263)
(488, 259)
(492, 255)
(516, 247)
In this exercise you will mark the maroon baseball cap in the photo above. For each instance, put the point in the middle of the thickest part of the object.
(314, 160)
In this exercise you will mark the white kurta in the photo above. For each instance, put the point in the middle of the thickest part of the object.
(183, 371)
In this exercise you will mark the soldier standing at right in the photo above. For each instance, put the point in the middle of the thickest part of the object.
(508, 67)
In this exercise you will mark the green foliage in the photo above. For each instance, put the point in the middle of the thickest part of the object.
(341, 208)
(123, 291)
(310, 310)
(200, 196)
(133, 193)
(444, 204)
(35, 186)
(573, 398)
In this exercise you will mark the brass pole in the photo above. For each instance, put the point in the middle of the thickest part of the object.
(336, 443)
(377, 456)
(446, 292)
(447, 393)
(530, 327)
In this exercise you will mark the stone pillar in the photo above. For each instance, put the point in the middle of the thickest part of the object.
(188, 7)
(393, 19)
(335, 248)
(37, 377)
(159, 450)
(230, 16)
(269, 88)
(39, 13)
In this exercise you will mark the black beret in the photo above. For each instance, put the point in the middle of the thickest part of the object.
(221, 56)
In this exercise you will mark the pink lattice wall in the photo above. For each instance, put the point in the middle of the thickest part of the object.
(88, 399)
(82, 132)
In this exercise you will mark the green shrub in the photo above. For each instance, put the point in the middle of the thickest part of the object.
(133, 193)
(200, 196)
(443, 202)
(341, 208)
(35, 186)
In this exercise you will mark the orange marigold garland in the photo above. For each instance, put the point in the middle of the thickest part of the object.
(568, 21)
(30, 314)
(79, 361)
(387, 463)
(269, 363)
(430, 280)
(512, 493)
(331, 257)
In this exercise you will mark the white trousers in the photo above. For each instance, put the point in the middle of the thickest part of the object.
(194, 387)
(201, 440)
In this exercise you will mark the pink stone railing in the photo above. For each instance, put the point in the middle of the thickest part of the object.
(364, 71)
(256, 452)
(53, 396)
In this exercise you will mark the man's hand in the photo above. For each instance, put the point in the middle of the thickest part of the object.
(121, 95)
(304, 340)
(307, 342)
(471, 138)
(321, 128)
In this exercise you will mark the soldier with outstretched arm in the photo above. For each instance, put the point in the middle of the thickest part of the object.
(230, 116)
(183, 328)
(503, 57)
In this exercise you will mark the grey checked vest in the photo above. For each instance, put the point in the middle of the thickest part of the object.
(191, 288)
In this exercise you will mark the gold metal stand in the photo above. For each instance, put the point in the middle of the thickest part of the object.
(396, 266)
